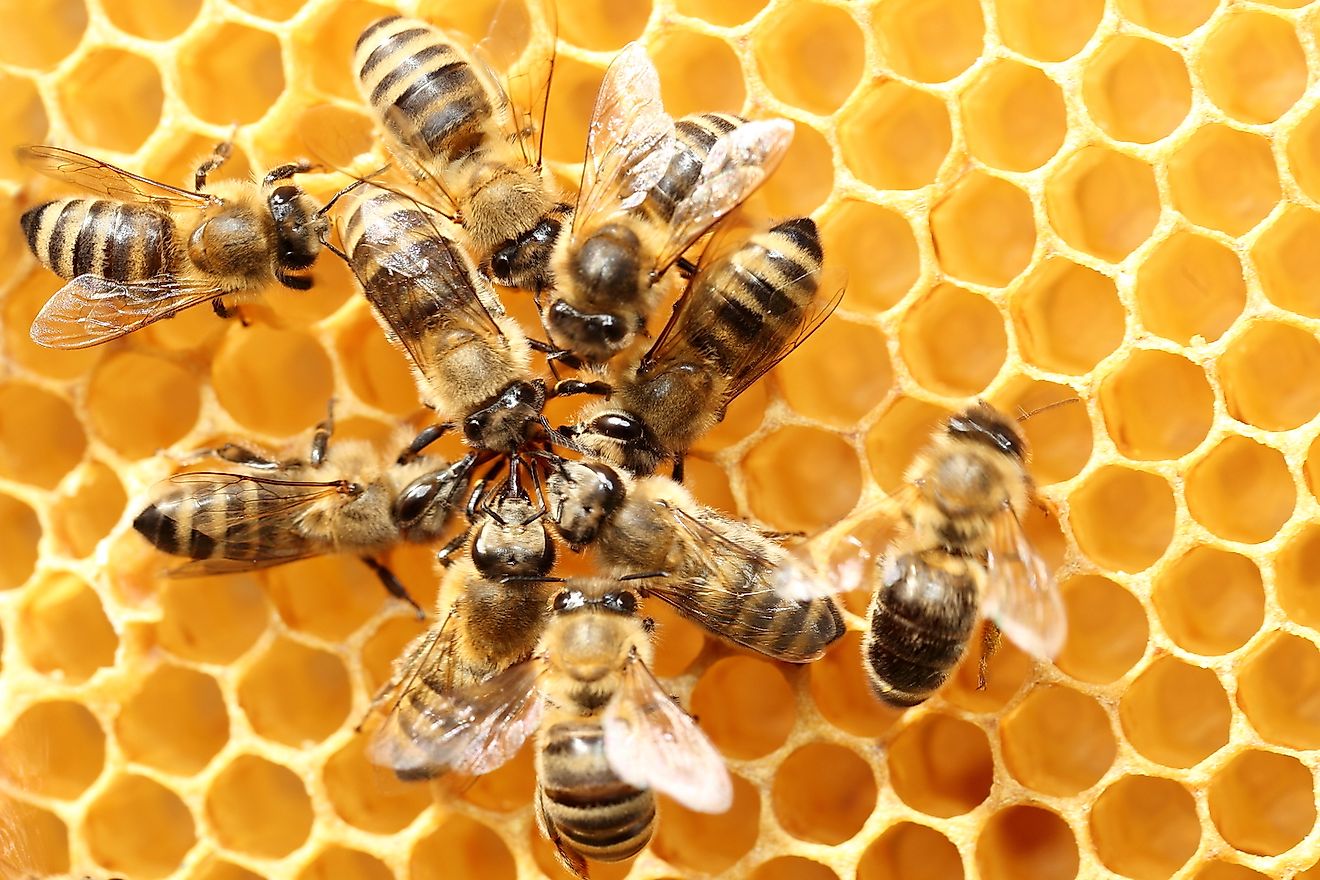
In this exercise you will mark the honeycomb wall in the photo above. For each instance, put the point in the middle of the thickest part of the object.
(1116, 201)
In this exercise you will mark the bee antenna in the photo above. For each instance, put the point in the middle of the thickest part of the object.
(531, 579)
(643, 576)
(1024, 415)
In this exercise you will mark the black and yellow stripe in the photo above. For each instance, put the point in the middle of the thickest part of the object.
(114, 240)
(695, 134)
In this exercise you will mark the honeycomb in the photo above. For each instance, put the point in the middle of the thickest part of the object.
(1116, 201)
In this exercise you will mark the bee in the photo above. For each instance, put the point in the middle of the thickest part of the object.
(743, 312)
(271, 512)
(471, 360)
(719, 570)
(507, 536)
(144, 250)
(649, 189)
(472, 139)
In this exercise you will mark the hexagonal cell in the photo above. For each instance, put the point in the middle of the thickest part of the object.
(1288, 265)
(1227, 871)
(54, 749)
(510, 787)
(20, 532)
(1173, 18)
(1136, 89)
(1103, 202)
(328, 597)
(246, 60)
(139, 828)
(832, 390)
(709, 844)
(984, 231)
(842, 693)
(1026, 842)
(336, 862)
(895, 136)
(41, 438)
(370, 797)
(929, 40)
(1123, 519)
(176, 721)
(24, 119)
(745, 706)
(276, 10)
(1210, 601)
(941, 765)
(810, 36)
(1055, 425)
(953, 341)
(1296, 572)
(908, 851)
(112, 99)
(377, 372)
(569, 109)
(1058, 741)
(698, 73)
(87, 508)
(805, 178)
(1114, 636)
(1007, 671)
(331, 42)
(823, 793)
(1051, 32)
(1263, 803)
(783, 479)
(1270, 376)
(1157, 406)
(1277, 688)
(25, 299)
(793, 868)
(1253, 66)
(903, 430)
(1241, 491)
(1224, 179)
(259, 808)
(721, 12)
(1303, 152)
(213, 624)
(1176, 714)
(240, 374)
(879, 249)
(36, 838)
(1014, 116)
(1145, 827)
(461, 849)
(1068, 317)
(162, 21)
(43, 33)
(63, 628)
(1190, 286)
(294, 693)
(140, 404)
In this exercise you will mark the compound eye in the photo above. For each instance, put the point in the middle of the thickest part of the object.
(526, 393)
(569, 600)
(501, 263)
(623, 428)
(414, 500)
(610, 328)
(473, 427)
(622, 602)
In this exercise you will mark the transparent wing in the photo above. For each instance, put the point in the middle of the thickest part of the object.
(651, 743)
(91, 310)
(104, 179)
(1020, 595)
(524, 46)
(419, 160)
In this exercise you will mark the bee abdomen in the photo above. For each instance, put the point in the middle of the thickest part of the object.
(231, 522)
(696, 134)
(115, 240)
(600, 816)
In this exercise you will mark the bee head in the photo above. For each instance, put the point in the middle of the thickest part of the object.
(593, 336)
(505, 422)
(512, 543)
(583, 496)
(422, 509)
(524, 262)
(621, 437)
(298, 227)
(984, 425)
(594, 626)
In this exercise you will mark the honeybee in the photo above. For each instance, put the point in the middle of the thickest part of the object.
(650, 188)
(471, 138)
(471, 360)
(719, 570)
(270, 512)
(508, 536)
(145, 250)
(743, 312)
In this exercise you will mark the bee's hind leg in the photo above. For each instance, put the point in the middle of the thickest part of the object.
(990, 639)
(392, 585)
(217, 158)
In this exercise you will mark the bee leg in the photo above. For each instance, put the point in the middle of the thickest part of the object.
(236, 454)
(686, 268)
(217, 158)
(990, 638)
(570, 387)
(392, 585)
(285, 171)
(321, 439)
(554, 353)
(226, 312)
(424, 438)
(677, 473)
(446, 555)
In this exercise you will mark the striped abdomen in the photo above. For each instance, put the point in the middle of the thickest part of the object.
(242, 520)
(594, 811)
(115, 240)
(921, 618)
(696, 134)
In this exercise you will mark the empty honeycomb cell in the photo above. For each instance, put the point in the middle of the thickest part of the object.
(823, 793)
(1157, 405)
(941, 765)
(1271, 376)
(1241, 491)
(88, 508)
(328, 596)
(908, 851)
(815, 37)
(161, 21)
(330, 46)
(1210, 601)
(1227, 871)
(511, 787)
(1296, 572)
(832, 390)
(929, 40)
(953, 341)
(277, 10)
(1056, 427)
(40, 437)
(1008, 670)
(678, 641)
(710, 844)
(1253, 66)
(804, 179)
(1014, 116)
(293, 693)
(1103, 202)
(1052, 32)
(984, 231)
(745, 707)
(63, 628)
(784, 485)
(368, 796)
(21, 304)
(1026, 842)
(1190, 286)
(246, 60)
(721, 12)
(698, 74)
(1224, 179)
(139, 828)
(1136, 89)
(20, 532)
(841, 691)
(1173, 18)
(176, 721)
(24, 119)
(337, 862)
(568, 111)
(1145, 827)
(42, 33)
(1068, 317)
(243, 370)
(1262, 802)
(1058, 741)
(383, 645)
(902, 431)
(212, 621)
(33, 841)
(140, 404)
(1115, 633)
(259, 808)
(54, 749)
(895, 136)
(793, 868)
(597, 24)
(1287, 262)
(461, 849)
(1176, 714)
(1303, 152)
(176, 163)
(112, 99)
(1122, 518)
(215, 869)
(376, 370)
(1277, 689)
(709, 483)
(878, 246)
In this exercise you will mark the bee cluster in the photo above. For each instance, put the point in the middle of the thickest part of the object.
(515, 652)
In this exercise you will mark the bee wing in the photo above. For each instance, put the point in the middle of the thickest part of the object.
(417, 158)
(90, 310)
(104, 179)
(630, 141)
(1020, 595)
(524, 47)
(651, 743)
